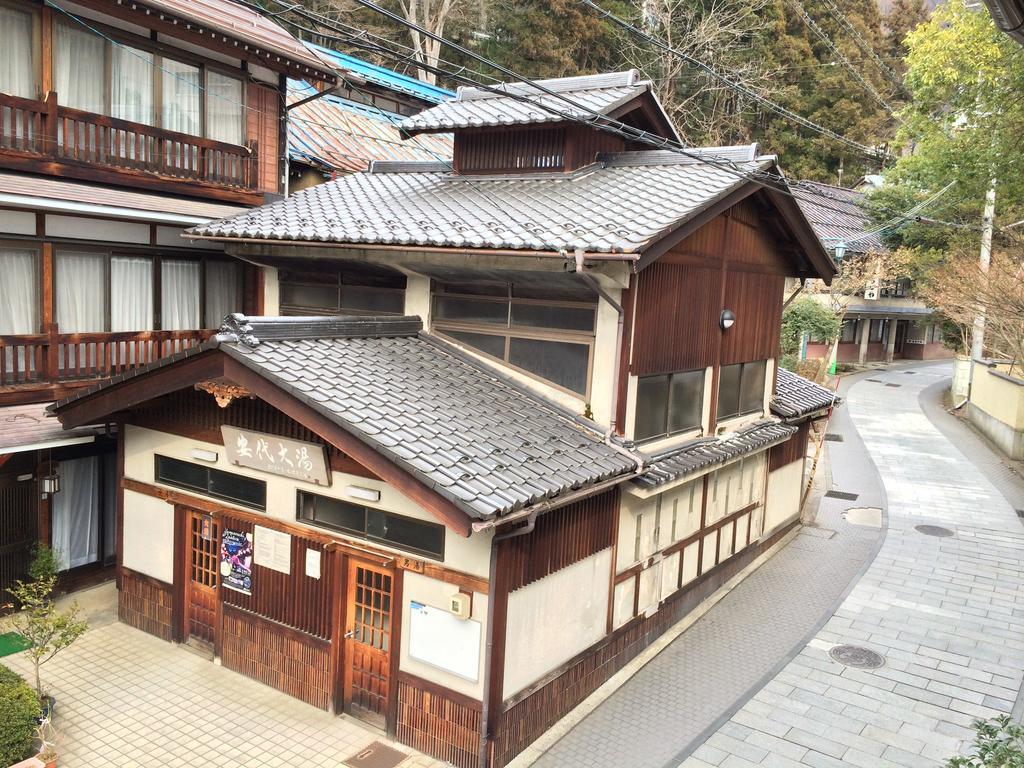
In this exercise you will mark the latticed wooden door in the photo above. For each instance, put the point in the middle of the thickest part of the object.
(368, 640)
(203, 562)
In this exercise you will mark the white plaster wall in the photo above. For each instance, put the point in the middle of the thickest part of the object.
(417, 297)
(271, 292)
(148, 537)
(783, 501)
(17, 223)
(96, 229)
(603, 384)
(428, 591)
(684, 500)
(553, 619)
(622, 609)
(470, 555)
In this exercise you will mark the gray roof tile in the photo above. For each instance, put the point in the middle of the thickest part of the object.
(836, 215)
(796, 396)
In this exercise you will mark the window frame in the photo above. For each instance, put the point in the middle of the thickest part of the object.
(157, 457)
(365, 535)
(508, 331)
(354, 281)
(666, 433)
(740, 413)
(37, 43)
(37, 249)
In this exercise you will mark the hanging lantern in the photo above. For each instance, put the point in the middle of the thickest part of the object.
(50, 483)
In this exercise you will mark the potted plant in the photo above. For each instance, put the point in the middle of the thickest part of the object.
(46, 629)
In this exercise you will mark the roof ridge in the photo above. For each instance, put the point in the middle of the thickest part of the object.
(629, 77)
(251, 331)
(408, 166)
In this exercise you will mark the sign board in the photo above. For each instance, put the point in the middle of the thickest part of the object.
(272, 549)
(236, 561)
(438, 638)
(313, 563)
(279, 455)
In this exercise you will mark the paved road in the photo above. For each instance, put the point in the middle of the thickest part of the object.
(682, 696)
(945, 612)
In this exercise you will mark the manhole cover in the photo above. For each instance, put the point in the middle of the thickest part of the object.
(376, 755)
(842, 495)
(933, 530)
(857, 657)
(832, 437)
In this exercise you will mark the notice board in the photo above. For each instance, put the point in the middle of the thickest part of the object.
(438, 638)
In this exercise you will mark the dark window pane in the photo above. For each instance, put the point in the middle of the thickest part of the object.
(752, 387)
(729, 391)
(312, 296)
(490, 345)
(686, 399)
(244, 490)
(470, 310)
(332, 513)
(563, 318)
(362, 299)
(405, 533)
(560, 362)
(651, 406)
(183, 473)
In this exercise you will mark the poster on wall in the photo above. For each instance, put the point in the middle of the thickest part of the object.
(273, 549)
(236, 561)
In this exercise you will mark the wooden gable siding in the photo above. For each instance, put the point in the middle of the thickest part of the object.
(792, 450)
(190, 413)
(263, 130)
(583, 144)
(757, 301)
(561, 537)
(554, 147)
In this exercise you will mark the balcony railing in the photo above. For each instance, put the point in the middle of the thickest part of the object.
(54, 358)
(50, 131)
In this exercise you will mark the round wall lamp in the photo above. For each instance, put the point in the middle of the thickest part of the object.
(727, 320)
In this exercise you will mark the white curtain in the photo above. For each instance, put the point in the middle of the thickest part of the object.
(179, 294)
(223, 108)
(221, 291)
(81, 292)
(131, 293)
(131, 84)
(76, 513)
(17, 64)
(179, 84)
(78, 70)
(19, 291)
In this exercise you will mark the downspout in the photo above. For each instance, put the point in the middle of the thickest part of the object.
(492, 581)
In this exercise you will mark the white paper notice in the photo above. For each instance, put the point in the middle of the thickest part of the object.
(313, 563)
(272, 549)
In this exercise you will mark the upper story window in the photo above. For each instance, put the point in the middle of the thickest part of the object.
(741, 389)
(19, 57)
(229, 486)
(19, 289)
(668, 404)
(549, 338)
(320, 293)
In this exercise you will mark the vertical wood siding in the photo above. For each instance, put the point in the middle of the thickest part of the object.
(583, 144)
(525, 149)
(561, 537)
(18, 520)
(792, 450)
(757, 301)
(440, 723)
(263, 129)
(146, 604)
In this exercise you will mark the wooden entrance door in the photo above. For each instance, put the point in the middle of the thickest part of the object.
(203, 553)
(368, 622)
(901, 337)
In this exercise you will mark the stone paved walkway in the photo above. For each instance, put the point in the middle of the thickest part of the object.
(944, 612)
(126, 700)
(681, 696)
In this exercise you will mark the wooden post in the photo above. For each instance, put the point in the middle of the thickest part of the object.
(52, 354)
(50, 123)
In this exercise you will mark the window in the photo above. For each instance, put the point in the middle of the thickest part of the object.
(325, 293)
(180, 98)
(877, 331)
(244, 491)
(398, 531)
(224, 108)
(848, 332)
(19, 289)
(131, 84)
(79, 68)
(532, 329)
(741, 389)
(18, 52)
(668, 404)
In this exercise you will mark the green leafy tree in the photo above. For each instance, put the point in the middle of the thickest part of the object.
(998, 743)
(810, 317)
(47, 630)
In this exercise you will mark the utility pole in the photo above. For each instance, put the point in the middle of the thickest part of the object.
(985, 259)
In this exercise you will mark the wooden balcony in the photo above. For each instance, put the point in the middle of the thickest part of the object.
(45, 137)
(47, 366)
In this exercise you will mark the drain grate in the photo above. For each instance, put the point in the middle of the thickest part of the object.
(376, 755)
(933, 530)
(1020, 512)
(910, 373)
(876, 381)
(832, 437)
(857, 657)
(842, 495)
(894, 385)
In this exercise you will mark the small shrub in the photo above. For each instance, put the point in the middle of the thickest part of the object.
(19, 713)
(998, 743)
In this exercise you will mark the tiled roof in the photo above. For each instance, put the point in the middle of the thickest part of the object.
(383, 76)
(619, 205)
(578, 97)
(709, 451)
(796, 396)
(335, 134)
(836, 215)
(30, 425)
(481, 441)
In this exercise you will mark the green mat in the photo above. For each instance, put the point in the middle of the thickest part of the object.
(12, 642)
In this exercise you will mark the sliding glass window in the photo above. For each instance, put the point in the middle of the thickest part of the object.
(19, 57)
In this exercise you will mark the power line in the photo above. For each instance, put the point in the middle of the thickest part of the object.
(866, 48)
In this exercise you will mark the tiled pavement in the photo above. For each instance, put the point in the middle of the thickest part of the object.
(945, 612)
(667, 708)
(126, 699)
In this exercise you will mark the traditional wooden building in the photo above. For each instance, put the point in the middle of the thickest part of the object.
(511, 421)
(121, 124)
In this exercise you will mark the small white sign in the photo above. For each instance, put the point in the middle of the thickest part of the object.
(313, 563)
(272, 549)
